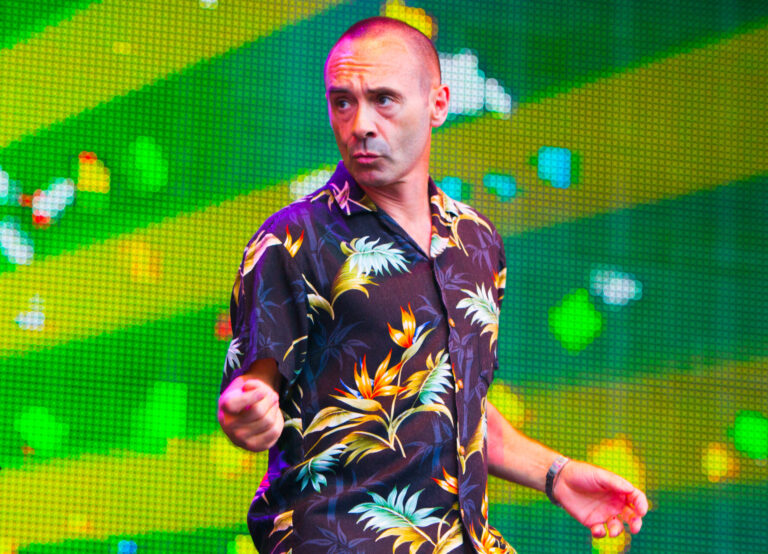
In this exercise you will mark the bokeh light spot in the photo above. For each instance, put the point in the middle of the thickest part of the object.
(147, 167)
(750, 434)
(555, 166)
(15, 244)
(507, 402)
(612, 545)
(617, 454)
(34, 318)
(452, 187)
(503, 186)
(575, 322)
(127, 547)
(92, 175)
(163, 416)
(242, 544)
(415, 17)
(41, 430)
(718, 462)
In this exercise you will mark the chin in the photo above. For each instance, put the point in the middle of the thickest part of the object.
(368, 177)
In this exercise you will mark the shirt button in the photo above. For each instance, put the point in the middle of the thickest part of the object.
(451, 322)
(460, 384)
(461, 450)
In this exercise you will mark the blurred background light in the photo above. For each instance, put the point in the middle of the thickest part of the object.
(575, 322)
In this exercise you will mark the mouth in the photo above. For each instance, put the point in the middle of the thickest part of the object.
(365, 157)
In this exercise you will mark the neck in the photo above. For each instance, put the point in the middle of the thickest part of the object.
(408, 204)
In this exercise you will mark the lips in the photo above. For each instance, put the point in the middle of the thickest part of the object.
(365, 156)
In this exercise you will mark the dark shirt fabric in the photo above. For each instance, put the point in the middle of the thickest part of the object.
(386, 355)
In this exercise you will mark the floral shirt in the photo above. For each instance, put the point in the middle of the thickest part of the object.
(386, 354)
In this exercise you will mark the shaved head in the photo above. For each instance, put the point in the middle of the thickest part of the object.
(386, 27)
(382, 84)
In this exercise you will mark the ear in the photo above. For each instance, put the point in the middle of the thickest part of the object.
(440, 97)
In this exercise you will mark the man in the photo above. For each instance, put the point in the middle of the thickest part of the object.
(365, 319)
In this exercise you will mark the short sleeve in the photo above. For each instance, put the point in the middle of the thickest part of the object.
(500, 282)
(501, 272)
(268, 311)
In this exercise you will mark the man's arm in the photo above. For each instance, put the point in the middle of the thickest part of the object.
(249, 410)
(595, 497)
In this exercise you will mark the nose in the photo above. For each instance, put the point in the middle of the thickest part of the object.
(364, 125)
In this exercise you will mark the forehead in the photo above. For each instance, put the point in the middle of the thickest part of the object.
(376, 60)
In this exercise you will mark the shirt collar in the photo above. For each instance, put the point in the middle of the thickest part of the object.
(351, 198)
(346, 193)
(441, 204)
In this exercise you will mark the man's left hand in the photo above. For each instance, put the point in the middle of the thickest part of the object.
(599, 499)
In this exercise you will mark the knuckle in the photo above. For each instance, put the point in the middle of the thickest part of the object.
(240, 435)
(253, 444)
(228, 404)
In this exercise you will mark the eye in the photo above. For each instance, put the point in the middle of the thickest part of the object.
(384, 100)
(341, 103)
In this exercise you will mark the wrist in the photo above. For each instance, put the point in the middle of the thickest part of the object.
(553, 474)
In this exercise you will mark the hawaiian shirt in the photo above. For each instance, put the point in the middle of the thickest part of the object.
(386, 354)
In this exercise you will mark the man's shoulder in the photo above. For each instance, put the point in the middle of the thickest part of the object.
(308, 208)
(340, 196)
(466, 208)
(450, 209)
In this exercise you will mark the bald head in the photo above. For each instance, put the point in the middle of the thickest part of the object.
(382, 84)
(417, 43)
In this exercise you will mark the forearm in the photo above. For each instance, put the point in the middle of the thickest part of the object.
(515, 457)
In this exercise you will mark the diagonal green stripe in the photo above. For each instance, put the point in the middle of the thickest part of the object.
(115, 46)
(18, 23)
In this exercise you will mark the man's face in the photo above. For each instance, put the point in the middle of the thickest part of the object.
(380, 104)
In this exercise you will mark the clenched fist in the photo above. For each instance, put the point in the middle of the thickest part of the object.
(249, 410)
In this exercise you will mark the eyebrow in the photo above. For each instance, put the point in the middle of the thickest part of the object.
(372, 91)
(337, 90)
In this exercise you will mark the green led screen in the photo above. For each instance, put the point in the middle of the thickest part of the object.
(621, 149)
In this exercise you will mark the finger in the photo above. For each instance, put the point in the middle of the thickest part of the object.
(261, 434)
(615, 527)
(235, 401)
(634, 520)
(598, 530)
(258, 419)
(249, 428)
(639, 502)
(259, 385)
(245, 394)
(260, 409)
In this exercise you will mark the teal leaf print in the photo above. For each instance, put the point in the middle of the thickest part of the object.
(312, 470)
(397, 517)
(367, 257)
